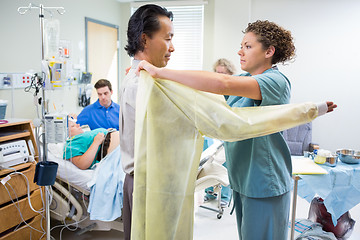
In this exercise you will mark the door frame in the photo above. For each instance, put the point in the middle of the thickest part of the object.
(87, 19)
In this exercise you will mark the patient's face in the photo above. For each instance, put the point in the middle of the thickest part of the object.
(74, 129)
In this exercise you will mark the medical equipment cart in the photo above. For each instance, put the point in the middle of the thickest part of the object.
(14, 187)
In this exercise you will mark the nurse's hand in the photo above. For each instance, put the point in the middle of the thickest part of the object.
(151, 69)
(331, 106)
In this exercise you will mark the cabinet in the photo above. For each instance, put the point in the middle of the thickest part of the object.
(14, 189)
(17, 129)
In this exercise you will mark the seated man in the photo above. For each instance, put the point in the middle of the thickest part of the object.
(104, 113)
(84, 149)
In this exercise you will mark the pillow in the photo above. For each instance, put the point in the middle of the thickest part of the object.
(56, 149)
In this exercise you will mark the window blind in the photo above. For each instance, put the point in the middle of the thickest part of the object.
(188, 36)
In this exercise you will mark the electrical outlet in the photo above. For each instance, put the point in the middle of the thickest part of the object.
(21, 80)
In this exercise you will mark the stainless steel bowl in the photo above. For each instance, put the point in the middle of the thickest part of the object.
(349, 156)
(357, 155)
(345, 151)
(332, 160)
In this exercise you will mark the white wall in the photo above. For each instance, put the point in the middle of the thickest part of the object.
(20, 46)
(326, 34)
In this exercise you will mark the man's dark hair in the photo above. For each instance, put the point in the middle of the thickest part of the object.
(103, 83)
(144, 20)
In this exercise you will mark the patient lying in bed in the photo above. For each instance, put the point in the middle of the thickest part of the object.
(84, 149)
(100, 147)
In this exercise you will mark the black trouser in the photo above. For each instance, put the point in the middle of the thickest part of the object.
(127, 204)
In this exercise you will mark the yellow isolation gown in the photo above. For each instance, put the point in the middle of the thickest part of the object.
(171, 120)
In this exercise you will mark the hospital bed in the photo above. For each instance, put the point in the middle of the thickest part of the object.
(71, 192)
(71, 195)
(211, 173)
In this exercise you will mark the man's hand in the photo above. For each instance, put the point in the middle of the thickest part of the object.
(331, 106)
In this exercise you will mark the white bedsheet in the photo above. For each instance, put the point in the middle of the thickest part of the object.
(67, 171)
(104, 183)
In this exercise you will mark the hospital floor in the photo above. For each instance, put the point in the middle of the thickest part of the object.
(207, 226)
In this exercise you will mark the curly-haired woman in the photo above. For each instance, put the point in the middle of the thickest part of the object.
(259, 168)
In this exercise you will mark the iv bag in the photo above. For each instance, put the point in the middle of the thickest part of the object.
(52, 38)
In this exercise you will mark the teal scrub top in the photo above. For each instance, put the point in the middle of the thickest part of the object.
(79, 144)
(261, 167)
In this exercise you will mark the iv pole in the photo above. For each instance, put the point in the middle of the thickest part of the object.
(60, 10)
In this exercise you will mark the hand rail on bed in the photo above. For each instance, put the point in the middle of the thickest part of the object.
(71, 198)
(84, 191)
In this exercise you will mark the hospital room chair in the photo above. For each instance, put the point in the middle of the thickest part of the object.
(211, 173)
(299, 139)
(71, 196)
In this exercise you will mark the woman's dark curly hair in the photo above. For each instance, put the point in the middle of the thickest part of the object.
(271, 34)
(144, 20)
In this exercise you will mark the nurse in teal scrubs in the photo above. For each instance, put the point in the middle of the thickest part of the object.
(260, 168)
